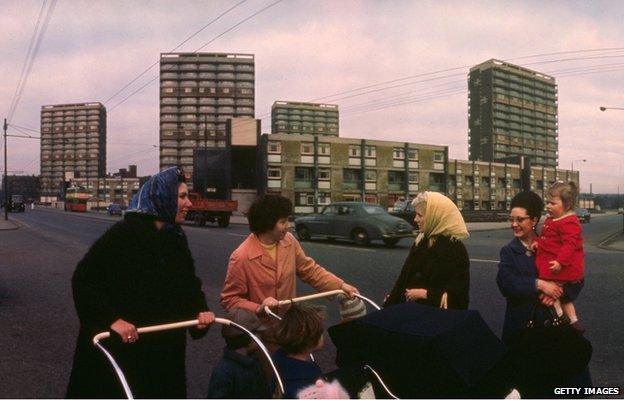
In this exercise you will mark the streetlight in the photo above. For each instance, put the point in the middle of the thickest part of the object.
(603, 108)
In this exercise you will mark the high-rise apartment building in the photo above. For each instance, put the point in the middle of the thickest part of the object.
(512, 111)
(73, 143)
(199, 92)
(289, 117)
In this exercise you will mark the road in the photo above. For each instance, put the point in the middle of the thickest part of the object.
(40, 325)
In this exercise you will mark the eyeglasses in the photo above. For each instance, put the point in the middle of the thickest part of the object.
(517, 220)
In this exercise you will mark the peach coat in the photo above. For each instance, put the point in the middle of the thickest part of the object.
(252, 274)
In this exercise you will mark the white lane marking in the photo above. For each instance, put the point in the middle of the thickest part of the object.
(485, 261)
(342, 247)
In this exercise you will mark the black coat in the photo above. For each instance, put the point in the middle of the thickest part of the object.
(443, 267)
(146, 277)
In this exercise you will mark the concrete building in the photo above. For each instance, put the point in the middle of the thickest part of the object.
(297, 118)
(26, 185)
(512, 111)
(314, 170)
(482, 186)
(73, 143)
(109, 189)
(199, 92)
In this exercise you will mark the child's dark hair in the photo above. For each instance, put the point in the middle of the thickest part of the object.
(567, 191)
(300, 329)
(266, 211)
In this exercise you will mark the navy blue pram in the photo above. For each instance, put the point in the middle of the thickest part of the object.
(422, 351)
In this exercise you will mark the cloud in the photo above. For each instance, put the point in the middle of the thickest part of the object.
(309, 50)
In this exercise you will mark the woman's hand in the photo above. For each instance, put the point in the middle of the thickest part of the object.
(351, 291)
(125, 330)
(547, 300)
(269, 301)
(550, 289)
(205, 318)
(415, 294)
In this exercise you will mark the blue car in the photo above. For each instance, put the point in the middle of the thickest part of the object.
(360, 222)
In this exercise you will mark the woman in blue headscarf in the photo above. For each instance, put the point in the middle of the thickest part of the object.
(140, 272)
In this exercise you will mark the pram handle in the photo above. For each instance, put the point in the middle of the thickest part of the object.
(178, 325)
(320, 295)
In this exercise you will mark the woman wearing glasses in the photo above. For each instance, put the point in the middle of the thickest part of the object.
(518, 281)
(517, 274)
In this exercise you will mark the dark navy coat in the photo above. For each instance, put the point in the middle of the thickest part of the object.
(517, 275)
(516, 279)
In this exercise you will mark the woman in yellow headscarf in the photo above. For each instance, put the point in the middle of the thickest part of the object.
(437, 263)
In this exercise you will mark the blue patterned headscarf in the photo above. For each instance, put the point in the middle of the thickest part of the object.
(158, 196)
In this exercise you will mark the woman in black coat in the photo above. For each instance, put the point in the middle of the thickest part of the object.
(139, 273)
(438, 262)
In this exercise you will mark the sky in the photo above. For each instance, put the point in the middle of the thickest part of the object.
(397, 69)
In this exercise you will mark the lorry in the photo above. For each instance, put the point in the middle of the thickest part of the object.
(210, 210)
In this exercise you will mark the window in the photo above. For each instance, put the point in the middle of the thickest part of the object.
(274, 173)
(323, 149)
(469, 180)
(304, 199)
(303, 174)
(370, 176)
(275, 147)
(307, 148)
(438, 156)
(412, 154)
(324, 174)
(398, 153)
(413, 177)
(355, 151)
(330, 210)
(351, 175)
(370, 151)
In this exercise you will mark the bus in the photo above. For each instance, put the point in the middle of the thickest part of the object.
(76, 199)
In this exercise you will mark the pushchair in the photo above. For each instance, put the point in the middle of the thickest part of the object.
(97, 339)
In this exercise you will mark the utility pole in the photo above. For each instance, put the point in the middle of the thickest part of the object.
(6, 178)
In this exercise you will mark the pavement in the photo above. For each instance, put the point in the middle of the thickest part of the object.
(8, 225)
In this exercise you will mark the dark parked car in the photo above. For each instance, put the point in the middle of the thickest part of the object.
(583, 215)
(360, 222)
(405, 211)
(114, 209)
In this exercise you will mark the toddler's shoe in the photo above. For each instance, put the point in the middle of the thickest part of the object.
(577, 326)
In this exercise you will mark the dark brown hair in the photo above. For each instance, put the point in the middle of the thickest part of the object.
(266, 211)
(568, 191)
(300, 329)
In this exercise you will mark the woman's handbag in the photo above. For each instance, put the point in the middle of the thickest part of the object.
(549, 348)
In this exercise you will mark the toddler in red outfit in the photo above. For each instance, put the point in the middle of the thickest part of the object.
(560, 256)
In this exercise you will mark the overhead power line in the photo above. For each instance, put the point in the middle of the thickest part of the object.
(31, 55)
(175, 48)
(200, 48)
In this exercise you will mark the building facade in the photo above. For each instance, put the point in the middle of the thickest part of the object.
(73, 142)
(482, 186)
(298, 118)
(314, 170)
(26, 185)
(512, 111)
(199, 92)
(109, 189)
